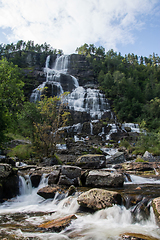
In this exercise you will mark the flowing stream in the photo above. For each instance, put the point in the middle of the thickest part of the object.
(20, 216)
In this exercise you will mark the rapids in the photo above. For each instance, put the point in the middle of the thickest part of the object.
(20, 217)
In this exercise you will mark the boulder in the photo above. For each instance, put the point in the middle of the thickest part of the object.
(97, 199)
(58, 224)
(9, 181)
(103, 178)
(156, 208)
(138, 166)
(71, 171)
(47, 192)
(148, 157)
(118, 157)
(64, 180)
(35, 178)
(70, 175)
(92, 161)
(53, 177)
(5, 170)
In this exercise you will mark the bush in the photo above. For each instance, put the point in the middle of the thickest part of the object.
(22, 151)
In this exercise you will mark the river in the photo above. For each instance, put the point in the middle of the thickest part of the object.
(20, 216)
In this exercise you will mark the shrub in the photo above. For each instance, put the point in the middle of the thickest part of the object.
(22, 151)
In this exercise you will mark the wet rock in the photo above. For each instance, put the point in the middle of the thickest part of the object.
(97, 199)
(58, 224)
(53, 177)
(92, 161)
(36, 178)
(148, 157)
(103, 178)
(136, 236)
(47, 192)
(118, 157)
(156, 208)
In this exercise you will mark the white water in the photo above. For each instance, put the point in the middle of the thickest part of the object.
(108, 223)
(142, 180)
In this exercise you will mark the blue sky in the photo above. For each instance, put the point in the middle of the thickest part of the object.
(127, 26)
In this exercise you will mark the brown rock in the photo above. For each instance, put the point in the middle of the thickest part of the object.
(97, 199)
(138, 166)
(58, 224)
(47, 192)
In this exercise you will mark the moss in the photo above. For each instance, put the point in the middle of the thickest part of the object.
(140, 160)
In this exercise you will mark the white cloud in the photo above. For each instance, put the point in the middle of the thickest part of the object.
(68, 24)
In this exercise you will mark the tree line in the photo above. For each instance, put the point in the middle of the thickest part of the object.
(131, 82)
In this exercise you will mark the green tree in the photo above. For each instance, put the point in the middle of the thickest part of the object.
(53, 116)
(11, 94)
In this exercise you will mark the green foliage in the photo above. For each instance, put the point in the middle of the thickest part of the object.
(52, 117)
(148, 142)
(140, 160)
(11, 96)
(124, 143)
(22, 151)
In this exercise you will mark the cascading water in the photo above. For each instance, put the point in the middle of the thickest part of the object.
(80, 99)
(21, 216)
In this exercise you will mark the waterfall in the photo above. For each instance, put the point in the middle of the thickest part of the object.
(61, 64)
(91, 127)
(25, 185)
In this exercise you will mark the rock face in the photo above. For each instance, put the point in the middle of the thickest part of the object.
(9, 181)
(97, 199)
(58, 224)
(92, 161)
(80, 67)
(103, 178)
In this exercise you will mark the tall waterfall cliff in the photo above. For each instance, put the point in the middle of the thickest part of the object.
(85, 101)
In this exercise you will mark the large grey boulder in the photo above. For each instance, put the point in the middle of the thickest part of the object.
(118, 157)
(148, 157)
(70, 175)
(92, 161)
(97, 199)
(71, 171)
(103, 178)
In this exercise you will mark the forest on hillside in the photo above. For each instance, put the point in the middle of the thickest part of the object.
(130, 82)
